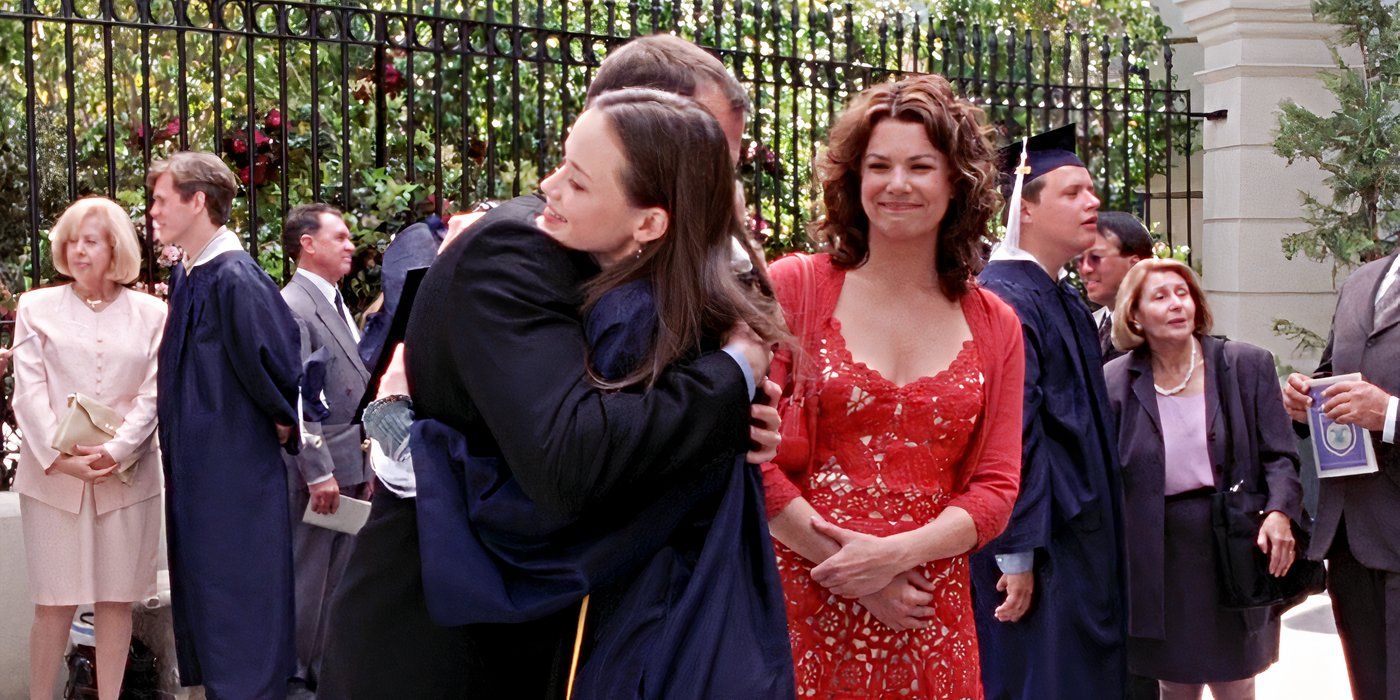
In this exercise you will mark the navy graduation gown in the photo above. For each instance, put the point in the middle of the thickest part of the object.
(229, 371)
(686, 599)
(1070, 644)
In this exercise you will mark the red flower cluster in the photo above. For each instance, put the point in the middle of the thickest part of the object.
(393, 78)
(761, 158)
(159, 134)
(256, 164)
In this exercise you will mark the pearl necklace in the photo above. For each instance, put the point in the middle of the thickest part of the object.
(1189, 373)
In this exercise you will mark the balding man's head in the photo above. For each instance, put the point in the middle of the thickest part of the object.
(669, 63)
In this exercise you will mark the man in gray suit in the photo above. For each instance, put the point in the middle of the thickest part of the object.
(1358, 517)
(331, 461)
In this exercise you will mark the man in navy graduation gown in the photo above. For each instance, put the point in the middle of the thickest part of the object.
(227, 382)
(1048, 593)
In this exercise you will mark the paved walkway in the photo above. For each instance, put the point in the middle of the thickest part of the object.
(1310, 664)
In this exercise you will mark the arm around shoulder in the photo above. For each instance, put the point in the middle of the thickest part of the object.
(568, 443)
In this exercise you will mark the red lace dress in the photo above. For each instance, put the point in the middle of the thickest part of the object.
(885, 461)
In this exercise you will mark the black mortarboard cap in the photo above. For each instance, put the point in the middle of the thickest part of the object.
(1045, 152)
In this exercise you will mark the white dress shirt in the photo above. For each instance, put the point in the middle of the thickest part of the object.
(1392, 410)
(329, 291)
(222, 242)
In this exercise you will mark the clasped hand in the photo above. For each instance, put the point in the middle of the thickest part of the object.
(873, 570)
(89, 464)
(865, 564)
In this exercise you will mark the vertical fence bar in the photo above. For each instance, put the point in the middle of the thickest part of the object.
(182, 88)
(541, 66)
(1106, 108)
(1168, 116)
(108, 90)
(250, 68)
(1028, 68)
(1046, 104)
(144, 13)
(346, 156)
(515, 112)
(437, 45)
(410, 113)
(314, 71)
(1127, 131)
(31, 134)
(71, 140)
(381, 100)
(466, 185)
(216, 49)
(490, 135)
(284, 166)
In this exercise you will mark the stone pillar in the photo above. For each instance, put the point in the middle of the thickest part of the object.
(1258, 53)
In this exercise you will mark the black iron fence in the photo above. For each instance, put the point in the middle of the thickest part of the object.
(392, 114)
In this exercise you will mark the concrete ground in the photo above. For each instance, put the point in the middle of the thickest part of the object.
(1310, 664)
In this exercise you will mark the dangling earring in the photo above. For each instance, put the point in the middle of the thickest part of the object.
(638, 254)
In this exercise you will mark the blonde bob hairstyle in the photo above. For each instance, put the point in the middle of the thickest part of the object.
(1127, 332)
(126, 249)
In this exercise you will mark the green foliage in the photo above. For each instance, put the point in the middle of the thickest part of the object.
(1306, 340)
(492, 126)
(1354, 146)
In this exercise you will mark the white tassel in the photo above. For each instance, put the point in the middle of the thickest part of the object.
(1012, 240)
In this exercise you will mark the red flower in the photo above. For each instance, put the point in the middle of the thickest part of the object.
(273, 120)
(260, 138)
(240, 146)
(393, 80)
(172, 128)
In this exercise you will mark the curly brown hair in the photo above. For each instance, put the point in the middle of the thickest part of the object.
(955, 127)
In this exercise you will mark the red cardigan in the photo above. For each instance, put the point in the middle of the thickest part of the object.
(987, 483)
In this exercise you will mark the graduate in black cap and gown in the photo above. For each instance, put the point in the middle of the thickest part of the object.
(1048, 593)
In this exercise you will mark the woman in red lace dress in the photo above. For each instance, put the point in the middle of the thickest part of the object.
(910, 381)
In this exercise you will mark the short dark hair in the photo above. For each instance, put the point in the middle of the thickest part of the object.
(1132, 236)
(303, 220)
(667, 63)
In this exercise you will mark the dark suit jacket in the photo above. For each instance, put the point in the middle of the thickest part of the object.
(495, 349)
(1250, 440)
(338, 451)
(1370, 502)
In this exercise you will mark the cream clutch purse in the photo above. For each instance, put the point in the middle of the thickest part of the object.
(88, 422)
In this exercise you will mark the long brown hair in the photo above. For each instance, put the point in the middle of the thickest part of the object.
(955, 127)
(676, 158)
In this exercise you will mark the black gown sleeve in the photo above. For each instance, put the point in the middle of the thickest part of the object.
(261, 340)
(520, 355)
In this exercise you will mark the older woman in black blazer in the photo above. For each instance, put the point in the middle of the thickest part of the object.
(1196, 414)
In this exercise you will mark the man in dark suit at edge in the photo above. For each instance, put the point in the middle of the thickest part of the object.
(1356, 528)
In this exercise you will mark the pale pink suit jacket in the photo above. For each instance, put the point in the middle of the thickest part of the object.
(109, 355)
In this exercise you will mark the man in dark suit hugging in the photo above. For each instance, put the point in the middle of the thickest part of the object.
(503, 310)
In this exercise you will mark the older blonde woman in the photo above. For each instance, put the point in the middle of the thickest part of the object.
(1196, 414)
(90, 538)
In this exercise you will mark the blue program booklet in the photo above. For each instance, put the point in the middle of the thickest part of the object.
(1340, 450)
